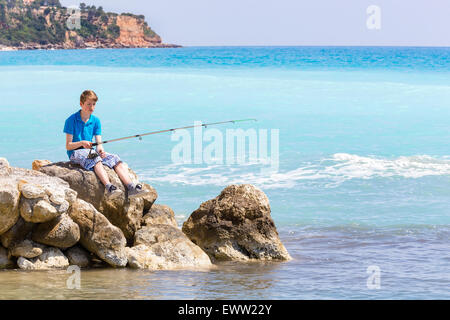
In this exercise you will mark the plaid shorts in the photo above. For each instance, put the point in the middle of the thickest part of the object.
(81, 157)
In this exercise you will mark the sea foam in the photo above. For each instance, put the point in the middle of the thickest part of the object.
(332, 171)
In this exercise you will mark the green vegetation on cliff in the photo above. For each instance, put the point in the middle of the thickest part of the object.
(44, 22)
(19, 23)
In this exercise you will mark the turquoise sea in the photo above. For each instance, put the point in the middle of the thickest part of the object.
(364, 164)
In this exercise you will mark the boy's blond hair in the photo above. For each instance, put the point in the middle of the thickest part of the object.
(88, 94)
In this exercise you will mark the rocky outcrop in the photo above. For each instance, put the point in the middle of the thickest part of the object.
(132, 33)
(59, 216)
(160, 244)
(124, 213)
(236, 225)
(34, 26)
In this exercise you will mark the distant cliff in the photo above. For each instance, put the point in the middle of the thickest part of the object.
(45, 24)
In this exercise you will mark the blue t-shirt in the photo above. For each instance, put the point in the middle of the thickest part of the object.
(80, 130)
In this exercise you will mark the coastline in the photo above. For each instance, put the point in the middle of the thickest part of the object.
(32, 25)
(65, 47)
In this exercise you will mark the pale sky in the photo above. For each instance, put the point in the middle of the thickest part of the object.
(290, 22)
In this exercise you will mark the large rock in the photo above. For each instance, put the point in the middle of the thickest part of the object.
(42, 197)
(122, 212)
(141, 257)
(60, 198)
(43, 203)
(163, 246)
(57, 191)
(98, 235)
(32, 191)
(236, 225)
(51, 258)
(9, 204)
(60, 232)
(160, 214)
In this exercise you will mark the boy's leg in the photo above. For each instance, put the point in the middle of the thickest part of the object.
(113, 161)
(111, 190)
(122, 172)
(101, 173)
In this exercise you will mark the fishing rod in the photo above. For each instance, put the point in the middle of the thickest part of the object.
(139, 136)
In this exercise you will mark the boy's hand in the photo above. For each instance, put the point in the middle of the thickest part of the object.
(101, 153)
(86, 144)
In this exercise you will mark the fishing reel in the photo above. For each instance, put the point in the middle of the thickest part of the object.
(92, 154)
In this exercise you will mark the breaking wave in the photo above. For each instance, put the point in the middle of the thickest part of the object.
(332, 171)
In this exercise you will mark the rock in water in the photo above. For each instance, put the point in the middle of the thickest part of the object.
(27, 249)
(236, 225)
(165, 247)
(51, 258)
(98, 235)
(141, 257)
(78, 256)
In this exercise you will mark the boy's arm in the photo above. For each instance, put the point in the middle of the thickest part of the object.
(75, 145)
(100, 150)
